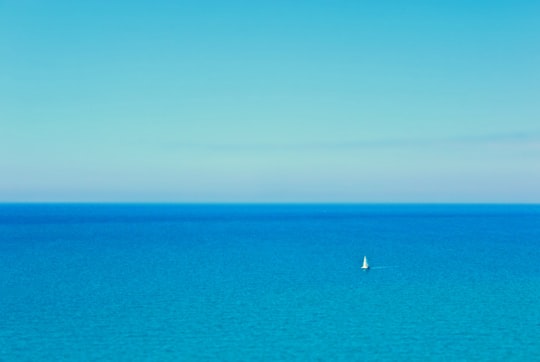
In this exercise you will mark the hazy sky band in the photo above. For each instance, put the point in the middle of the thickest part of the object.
(269, 101)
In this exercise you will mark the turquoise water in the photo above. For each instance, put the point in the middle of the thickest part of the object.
(269, 282)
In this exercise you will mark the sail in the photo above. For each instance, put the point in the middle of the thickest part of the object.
(365, 265)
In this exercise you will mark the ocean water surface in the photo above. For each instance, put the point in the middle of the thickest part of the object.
(269, 282)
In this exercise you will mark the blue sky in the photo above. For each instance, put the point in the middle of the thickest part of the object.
(274, 101)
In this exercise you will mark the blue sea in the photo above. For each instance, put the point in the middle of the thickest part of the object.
(129, 282)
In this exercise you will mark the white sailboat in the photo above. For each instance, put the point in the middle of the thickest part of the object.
(365, 265)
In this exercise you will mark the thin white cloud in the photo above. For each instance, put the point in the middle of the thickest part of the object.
(511, 138)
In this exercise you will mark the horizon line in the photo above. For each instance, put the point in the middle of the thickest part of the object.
(247, 203)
